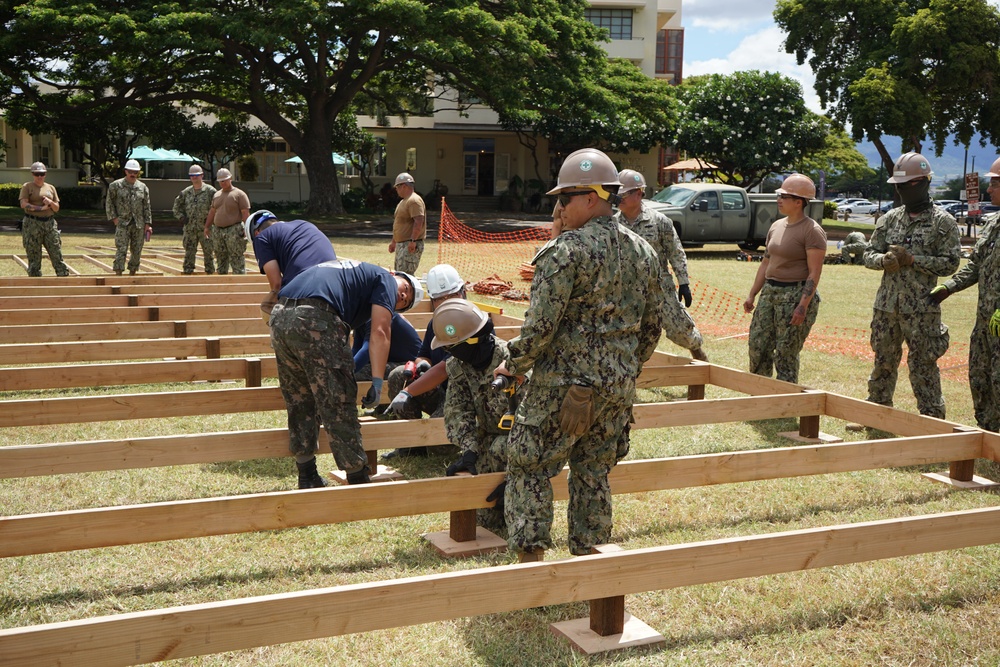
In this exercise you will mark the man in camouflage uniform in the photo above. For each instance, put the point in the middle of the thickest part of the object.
(40, 202)
(474, 409)
(593, 320)
(983, 269)
(853, 250)
(311, 326)
(409, 226)
(224, 224)
(127, 207)
(191, 207)
(657, 229)
(912, 245)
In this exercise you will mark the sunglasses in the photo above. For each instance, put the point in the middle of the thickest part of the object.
(195, 175)
(38, 173)
(565, 197)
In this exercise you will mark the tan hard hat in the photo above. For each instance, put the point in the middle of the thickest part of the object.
(910, 167)
(994, 171)
(403, 178)
(223, 175)
(38, 168)
(798, 185)
(456, 320)
(631, 180)
(588, 168)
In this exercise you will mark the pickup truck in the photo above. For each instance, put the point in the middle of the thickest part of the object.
(717, 213)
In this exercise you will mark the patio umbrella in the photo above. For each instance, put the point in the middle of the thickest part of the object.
(693, 164)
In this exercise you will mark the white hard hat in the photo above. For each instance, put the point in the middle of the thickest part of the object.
(132, 165)
(442, 280)
(38, 168)
(418, 291)
(255, 220)
(223, 175)
(403, 178)
(195, 170)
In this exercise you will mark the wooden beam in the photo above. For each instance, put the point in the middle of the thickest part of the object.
(748, 383)
(229, 625)
(884, 418)
(91, 528)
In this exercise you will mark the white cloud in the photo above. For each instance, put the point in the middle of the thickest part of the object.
(762, 51)
(727, 15)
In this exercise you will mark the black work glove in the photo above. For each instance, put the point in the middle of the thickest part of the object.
(577, 410)
(497, 495)
(422, 367)
(684, 294)
(467, 463)
(938, 294)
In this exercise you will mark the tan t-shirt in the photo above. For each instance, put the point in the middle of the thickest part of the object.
(406, 211)
(786, 248)
(229, 207)
(34, 195)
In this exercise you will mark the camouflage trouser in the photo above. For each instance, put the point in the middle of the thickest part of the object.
(492, 458)
(984, 375)
(407, 261)
(194, 234)
(230, 244)
(316, 374)
(677, 323)
(853, 253)
(774, 342)
(537, 449)
(364, 374)
(38, 233)
(129, 238)
(432, 402)
(927, 340)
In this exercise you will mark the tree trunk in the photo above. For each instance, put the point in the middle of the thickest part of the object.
(324, 188)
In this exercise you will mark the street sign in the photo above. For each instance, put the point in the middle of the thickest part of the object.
(972, 192)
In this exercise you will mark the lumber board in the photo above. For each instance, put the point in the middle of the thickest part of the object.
(154, 522)
(720, 410)
(748, 383)
(884, 417)
(97, 331)
(149, 372)
(111, 350)
(991, 446)
(178, 632)
(128, 314)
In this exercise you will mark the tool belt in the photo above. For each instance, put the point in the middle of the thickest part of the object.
(309, 301)
(778, 283)
(35, 217)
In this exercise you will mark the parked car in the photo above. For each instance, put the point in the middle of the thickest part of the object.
(858, 206)
(945, 203)
(961, 210)
(886, 207)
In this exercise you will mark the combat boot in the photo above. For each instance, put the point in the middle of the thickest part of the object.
(359, 476)
(309, 477)
(534, 556)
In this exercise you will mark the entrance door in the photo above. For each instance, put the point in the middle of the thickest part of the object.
(470, 174)
(486, 169)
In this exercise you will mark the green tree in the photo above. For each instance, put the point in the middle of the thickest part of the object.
(748, 124)
(221, 142)
(838, 155)
(294, 64)
(916, 70)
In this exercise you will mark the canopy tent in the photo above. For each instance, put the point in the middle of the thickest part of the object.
(694, 164)
(337, 159)
(148, 154)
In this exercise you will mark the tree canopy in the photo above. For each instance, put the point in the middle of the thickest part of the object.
(748, 124)
(917, 70)
(297, 65)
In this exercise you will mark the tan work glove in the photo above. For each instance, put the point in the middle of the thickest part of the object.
(902, 255)
(577, 411)
(267, 305)
(889, 263)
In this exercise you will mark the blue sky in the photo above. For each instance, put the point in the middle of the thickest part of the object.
(726, 36)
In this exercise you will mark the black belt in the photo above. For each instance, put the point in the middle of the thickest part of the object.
(309, 301)
(35, 217)
(778, 283)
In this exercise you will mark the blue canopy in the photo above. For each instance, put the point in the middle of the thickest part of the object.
(337, 159)
(148, 154)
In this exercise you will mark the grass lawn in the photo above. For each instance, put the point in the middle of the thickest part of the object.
(933, 609)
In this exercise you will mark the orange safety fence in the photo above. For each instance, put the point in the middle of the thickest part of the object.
(497, 265)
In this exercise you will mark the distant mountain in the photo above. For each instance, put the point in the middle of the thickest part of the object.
(946, 166)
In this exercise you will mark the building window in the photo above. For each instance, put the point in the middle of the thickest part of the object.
(411, 159)
(618, 22)
(670, 55)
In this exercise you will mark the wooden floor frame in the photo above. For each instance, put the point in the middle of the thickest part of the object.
(243, 623)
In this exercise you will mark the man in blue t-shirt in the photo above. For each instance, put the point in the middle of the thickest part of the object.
(311, 324)
(426, 391)
(404, 345)
(285, 249)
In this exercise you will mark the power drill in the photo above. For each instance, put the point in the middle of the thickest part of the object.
(412, 370)
(507, 385)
